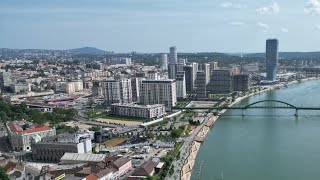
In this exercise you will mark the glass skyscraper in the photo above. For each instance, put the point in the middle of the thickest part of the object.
(272, 59)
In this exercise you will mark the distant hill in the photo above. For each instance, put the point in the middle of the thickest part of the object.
(309, 55)
(87, 50)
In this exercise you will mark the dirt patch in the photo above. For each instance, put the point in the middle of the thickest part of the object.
(79, 124)
(114, 142)
(127, 123)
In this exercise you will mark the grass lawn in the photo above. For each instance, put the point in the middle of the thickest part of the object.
(114, 142)
(124, 118)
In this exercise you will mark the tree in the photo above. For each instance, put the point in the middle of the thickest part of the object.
(95, 128)
(149, 135)
(3, 175)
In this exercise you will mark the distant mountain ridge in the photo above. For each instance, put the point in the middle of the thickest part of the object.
(87, 50)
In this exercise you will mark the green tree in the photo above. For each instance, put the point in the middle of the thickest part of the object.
(3, 175)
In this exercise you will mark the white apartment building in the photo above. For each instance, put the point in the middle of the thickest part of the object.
(72, 87)
(117, 91)
(159, 92)
(142, 111)
(181, 85)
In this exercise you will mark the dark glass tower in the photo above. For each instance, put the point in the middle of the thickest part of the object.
(272, 59)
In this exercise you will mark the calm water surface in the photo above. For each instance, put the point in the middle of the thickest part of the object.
(268, 144)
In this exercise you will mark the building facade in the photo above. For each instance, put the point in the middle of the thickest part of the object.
(159, 92)
(201, 85)
(188, 69)
(164, 64)
(181, 84)
(117, 91)
(272, 59)
(221, 81)
(22, 134)
(241, 82)
(141, 111)
(173, 57)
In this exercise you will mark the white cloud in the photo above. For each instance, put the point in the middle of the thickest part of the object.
(263, 25)
(270, 9)
(233, 5)
(312, 7)
(236, 23)
(284, 30)
(317, 27)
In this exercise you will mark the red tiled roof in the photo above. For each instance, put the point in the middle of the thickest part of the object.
(17, 129)
(91, 177)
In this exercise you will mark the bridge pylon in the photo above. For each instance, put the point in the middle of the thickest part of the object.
(296, 114)
(243, 112)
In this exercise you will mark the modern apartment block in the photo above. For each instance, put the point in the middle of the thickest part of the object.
(159, 92)
(241, 82)
(141, 111)
(164, 64)
(201, 85)
(221, 81)
(181, 84)
(117, 91)
(173, 56)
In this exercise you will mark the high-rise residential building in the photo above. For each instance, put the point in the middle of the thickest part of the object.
(213, 66)
(5, 79)
(207, 71)
(173, 57)
(181, 84)
(135, 89)
(195, 68)
(164, 64)
(241, 82)
(221, 81)
(117, 91)
(272, 59)
(190, 80)
(159, 92)
(153, 75)
(201, 85)
(172, 71)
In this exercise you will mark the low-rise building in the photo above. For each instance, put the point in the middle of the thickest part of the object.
(22, 134)
(122, 165)
(142, 111)
(53, 151)
(146, 170)
(76, 158)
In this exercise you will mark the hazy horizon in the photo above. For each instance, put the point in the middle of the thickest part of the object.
(153, 26)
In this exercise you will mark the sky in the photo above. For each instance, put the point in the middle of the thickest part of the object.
(155, 25)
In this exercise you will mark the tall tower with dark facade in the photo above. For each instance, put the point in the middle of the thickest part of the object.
(272, 59)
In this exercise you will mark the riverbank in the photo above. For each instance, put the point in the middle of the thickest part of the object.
(188, 164)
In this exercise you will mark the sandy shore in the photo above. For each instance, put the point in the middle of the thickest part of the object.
(195, 146)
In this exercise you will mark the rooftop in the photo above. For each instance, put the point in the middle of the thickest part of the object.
(24, 127)
(83, 157)
(120, 162)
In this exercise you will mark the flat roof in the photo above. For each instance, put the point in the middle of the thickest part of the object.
(137, 105)
(83, 157)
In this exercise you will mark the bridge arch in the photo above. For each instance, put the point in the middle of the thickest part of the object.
(264, 101)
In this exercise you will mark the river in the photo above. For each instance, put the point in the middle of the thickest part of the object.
(266, 144)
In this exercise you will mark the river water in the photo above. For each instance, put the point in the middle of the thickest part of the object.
(266, 144)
